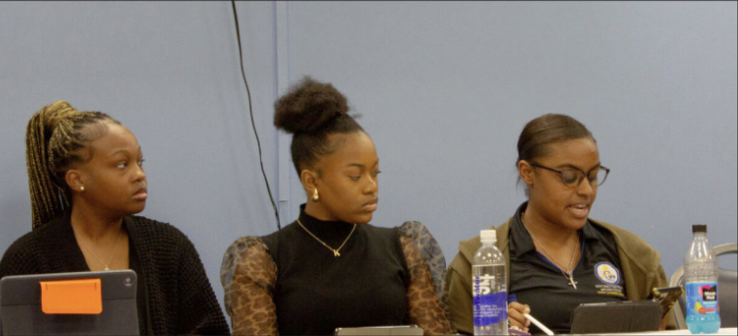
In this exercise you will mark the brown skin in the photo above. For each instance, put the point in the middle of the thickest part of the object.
(114, 187)
(346, 180)
(550, 216)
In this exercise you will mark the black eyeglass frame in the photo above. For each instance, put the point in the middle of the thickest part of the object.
(581, 177)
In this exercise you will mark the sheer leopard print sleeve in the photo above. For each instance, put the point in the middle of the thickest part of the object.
(425, 306)
(248, 275)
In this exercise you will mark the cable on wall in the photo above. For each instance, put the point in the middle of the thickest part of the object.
(251, 112)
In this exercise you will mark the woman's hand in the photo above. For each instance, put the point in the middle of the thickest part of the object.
(515, 313)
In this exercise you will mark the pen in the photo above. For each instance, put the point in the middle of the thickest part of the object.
(538, 324)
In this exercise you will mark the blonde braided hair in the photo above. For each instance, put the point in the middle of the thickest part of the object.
(54, 140)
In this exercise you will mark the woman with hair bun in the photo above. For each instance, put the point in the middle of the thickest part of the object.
(86, 178)
(558, 257)
(330, 268)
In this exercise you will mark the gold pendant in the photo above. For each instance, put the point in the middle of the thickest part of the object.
(106, 268)
(336, 254)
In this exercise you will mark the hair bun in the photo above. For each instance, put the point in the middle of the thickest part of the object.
(308, 106)
(57, 112)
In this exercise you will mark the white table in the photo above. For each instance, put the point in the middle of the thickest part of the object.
(722, 331)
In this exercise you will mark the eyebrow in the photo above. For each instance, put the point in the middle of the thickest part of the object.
(569, 165)
(125, 150)
(361, 165)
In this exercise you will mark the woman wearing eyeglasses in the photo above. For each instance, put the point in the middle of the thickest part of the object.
(558, 257)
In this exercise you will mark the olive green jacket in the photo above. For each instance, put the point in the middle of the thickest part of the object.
(640, 263)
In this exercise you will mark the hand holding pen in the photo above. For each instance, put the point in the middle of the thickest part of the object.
(515, 311)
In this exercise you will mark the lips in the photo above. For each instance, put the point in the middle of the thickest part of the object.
(371, 205)
(141, 194)
(580, 211)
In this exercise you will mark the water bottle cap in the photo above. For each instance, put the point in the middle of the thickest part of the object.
(699, 228)
(488, 236)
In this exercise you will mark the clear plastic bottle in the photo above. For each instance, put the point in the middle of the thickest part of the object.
(700, 282)
(489, 287)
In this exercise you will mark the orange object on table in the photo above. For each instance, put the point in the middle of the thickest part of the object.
(71, 297)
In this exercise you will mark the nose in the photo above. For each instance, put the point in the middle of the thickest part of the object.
(372, 186)
(586, 188)
(140, 175)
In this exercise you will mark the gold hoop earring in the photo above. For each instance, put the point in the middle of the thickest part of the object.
(315, 195)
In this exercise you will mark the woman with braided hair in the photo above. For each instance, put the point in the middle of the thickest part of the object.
(86, 182)
(330, 268)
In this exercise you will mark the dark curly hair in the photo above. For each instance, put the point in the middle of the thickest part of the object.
(545, 130)
(312, 111)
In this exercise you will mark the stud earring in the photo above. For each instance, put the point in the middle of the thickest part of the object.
(315, 195)
(82, 188)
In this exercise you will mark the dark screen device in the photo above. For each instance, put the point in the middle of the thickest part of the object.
(666, 297)
(383, 330)
(615, 317)
(22, 313)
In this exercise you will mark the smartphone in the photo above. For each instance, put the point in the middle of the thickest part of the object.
(666, 297)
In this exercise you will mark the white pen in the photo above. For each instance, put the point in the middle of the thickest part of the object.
(538, 324)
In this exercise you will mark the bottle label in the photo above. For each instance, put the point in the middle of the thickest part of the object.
(702, 298)
(489, 308)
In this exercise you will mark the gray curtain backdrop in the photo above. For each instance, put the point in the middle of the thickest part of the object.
(444, 90)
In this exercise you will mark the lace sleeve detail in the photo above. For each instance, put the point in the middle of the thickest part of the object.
(423, 255)
(248, 275)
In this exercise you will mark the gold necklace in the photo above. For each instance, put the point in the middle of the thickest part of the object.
(569, 274)
(335, 251)
(115, 248)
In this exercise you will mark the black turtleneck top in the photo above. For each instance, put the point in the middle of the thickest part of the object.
(317, 292)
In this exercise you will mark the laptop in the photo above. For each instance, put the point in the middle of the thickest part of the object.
(408, 330)
(81, 303)
(616, 317)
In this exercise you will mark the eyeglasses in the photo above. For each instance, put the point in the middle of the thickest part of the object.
(573, 177)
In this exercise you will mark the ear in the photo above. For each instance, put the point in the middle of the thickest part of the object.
(526, 172)
(74, 180)
(309, 180)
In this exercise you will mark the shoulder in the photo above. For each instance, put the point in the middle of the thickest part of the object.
(43, 235)
(248, 250)
(468, 247)
(378, 230)
(383, 237)
(241, 245)
(416, 231)
(154, 226)
(21, 249)
(632, 246)
(155, 231)
(22, 255)
(416, 235)
(159, 239)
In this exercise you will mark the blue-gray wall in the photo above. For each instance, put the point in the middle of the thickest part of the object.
(444, 90)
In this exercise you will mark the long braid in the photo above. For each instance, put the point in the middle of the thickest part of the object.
(54, 137)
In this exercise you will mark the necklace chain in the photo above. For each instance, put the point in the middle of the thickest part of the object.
(115, 248)
(569, 273)
(335, 251)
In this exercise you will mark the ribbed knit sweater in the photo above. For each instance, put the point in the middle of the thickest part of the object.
(178, 295)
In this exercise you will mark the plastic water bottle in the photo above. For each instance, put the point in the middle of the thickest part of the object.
(700, 278)
(489, 287)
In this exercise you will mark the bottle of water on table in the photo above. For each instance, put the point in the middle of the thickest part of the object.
(489, 287)
(700, 279)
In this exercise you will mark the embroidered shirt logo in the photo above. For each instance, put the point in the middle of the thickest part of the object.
(607, 273)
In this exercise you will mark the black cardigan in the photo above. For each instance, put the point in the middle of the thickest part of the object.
(179, 298)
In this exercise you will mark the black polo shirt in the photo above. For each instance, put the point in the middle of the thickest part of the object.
(537, 282)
